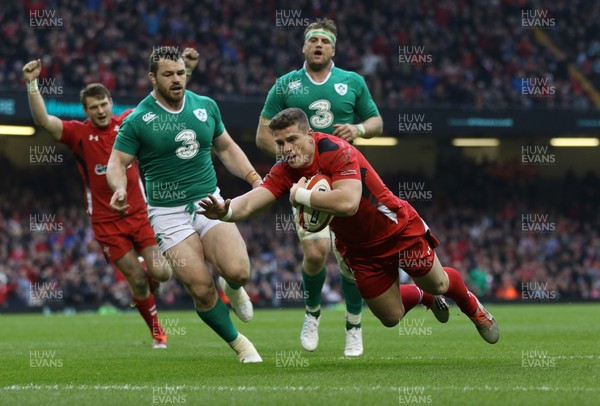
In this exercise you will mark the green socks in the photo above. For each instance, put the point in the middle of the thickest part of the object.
(354, 303)
(313, 285)
(219, 320)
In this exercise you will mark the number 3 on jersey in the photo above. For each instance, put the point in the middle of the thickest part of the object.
(190, 146)
(323, 116)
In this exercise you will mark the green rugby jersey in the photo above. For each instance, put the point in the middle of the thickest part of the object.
(173, 148)
(335, 101)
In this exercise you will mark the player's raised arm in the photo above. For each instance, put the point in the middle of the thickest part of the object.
(116, 177)
(264, 137)
(190, 57)
(235, 160)
(52, 124)
(342, 201)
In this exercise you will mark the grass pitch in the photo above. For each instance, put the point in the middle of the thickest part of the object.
(547, 354)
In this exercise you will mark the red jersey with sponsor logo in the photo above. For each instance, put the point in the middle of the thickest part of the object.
(92, 147)
(381, 215)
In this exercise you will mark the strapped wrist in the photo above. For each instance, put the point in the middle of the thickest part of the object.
(361, 129)
(252, 177)
(227, 216)
(32, 86)
(303, 196)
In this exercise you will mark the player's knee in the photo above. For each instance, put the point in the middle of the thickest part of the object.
(438, 288)
(161, 273)
(202, 293)
(241, 278)
(315, 257)
(139, 285)
(391, 319)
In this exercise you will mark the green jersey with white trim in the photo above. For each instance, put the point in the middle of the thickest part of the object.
(335, 101)
(173, 148)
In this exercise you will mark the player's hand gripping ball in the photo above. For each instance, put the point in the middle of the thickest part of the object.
(311, 219)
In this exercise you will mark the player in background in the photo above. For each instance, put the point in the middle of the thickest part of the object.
(331, 97)
(123, 238)
(374, 228)
(173, 132)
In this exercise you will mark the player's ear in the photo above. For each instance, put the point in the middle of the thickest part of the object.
(152, 78)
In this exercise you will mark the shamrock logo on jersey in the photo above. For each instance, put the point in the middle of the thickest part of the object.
(341, 88)
(201, 114)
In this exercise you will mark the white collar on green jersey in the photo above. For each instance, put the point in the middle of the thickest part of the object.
(165, 108)
(311, 79)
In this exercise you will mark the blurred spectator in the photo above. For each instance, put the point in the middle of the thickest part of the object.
(412, 52)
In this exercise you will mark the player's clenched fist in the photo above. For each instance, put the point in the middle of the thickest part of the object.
(32, 69)
(118, 202)
(190, 57)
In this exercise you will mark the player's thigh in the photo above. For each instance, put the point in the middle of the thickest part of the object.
(188, 262)
(226, 250)
(387, 307)
(157, 264)
(435, 281)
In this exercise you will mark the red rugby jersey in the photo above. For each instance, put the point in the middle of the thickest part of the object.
(381, 215)
(92, 147)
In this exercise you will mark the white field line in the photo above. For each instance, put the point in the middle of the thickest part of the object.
(220, 388)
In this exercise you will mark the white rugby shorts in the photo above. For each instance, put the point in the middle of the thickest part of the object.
(174, 224)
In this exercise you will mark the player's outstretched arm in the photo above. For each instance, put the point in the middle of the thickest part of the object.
(238, 209)
(264, 137)
(235, 160)
(52, 124)
(116, 176)
(342, 201)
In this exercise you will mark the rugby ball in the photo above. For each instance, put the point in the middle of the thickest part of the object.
(310, 219)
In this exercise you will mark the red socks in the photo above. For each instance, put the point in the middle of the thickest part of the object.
(147, 309)
(457, 291)
(411, 296)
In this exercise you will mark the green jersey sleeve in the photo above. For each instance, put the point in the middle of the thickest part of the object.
(127, 140)
(275, 101)
(365, 106)
(219, 126)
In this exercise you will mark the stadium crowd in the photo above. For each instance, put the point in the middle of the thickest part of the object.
(412, 52)
(476, 210)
